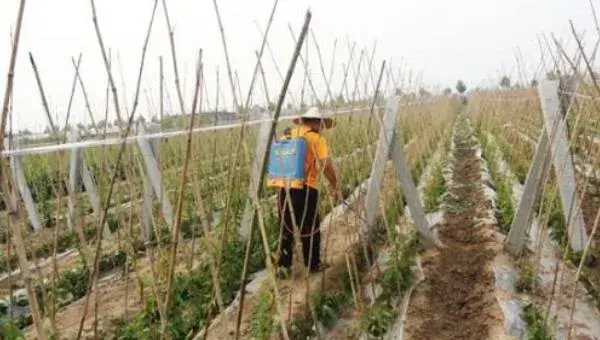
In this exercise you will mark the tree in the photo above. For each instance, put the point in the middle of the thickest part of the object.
(398, 91)
(461, 87)
(534, 83)
(505, 82)
(447, 91)
(80, 127)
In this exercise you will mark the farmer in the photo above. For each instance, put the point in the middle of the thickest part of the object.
(305, 200)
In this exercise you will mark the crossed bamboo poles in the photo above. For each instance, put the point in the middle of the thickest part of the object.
(125, 127)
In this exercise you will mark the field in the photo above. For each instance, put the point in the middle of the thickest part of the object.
(446, 145)
(127, 282)
(453, 152)
(453, 223)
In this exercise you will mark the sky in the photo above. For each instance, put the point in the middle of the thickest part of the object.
(436, 41)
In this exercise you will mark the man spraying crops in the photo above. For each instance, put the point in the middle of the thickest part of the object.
(295, 163)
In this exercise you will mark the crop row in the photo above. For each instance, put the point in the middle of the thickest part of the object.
(73, 238)
(517, 146)
(212, 193)
(358, 163)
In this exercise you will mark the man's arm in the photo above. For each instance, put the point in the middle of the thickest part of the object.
(328, 167)
(330, 173)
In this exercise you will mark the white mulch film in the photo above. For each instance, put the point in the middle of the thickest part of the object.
(586, 318)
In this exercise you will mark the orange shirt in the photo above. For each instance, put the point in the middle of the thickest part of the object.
(316, 150)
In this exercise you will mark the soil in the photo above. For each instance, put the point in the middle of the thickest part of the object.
(111, 295)
(456, 299)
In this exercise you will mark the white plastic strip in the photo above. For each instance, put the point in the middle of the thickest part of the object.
(159, 135)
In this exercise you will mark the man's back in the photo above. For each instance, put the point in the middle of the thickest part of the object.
(316, 150)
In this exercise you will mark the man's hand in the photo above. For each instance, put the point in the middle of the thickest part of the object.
(331, 175)
(337, 195)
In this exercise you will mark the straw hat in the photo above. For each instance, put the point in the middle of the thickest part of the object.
(314, 113)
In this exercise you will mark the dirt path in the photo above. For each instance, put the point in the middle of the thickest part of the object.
(456, 301)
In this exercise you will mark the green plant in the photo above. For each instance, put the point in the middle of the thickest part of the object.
(72, 284)
(574, 256)
(328, 306)
(526, 279)
(556, 221)
(113, 223)
(434, 189)
(65, 241)
(112, 261)
(9, 330)
(46, 211)
(536, 328)
(394, 208)
(193, 299)
(416, 171)
(262, 323)
(504, 203)
(377, 320)
(396, 279)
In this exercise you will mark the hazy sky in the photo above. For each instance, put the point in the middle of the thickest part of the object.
(472, 40)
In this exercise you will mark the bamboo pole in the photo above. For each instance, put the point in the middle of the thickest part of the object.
(111, 80)
(161, 111)
(180, 199)
(43, 97)
(241, 145)
(228, 63)
(174, 58)
(73, 88)
(260, 53)
(275, 64)
(6, 177)
(124, 134)
(85, 96)
(271, 134)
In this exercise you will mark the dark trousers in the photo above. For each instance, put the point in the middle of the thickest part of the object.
(305, 206)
